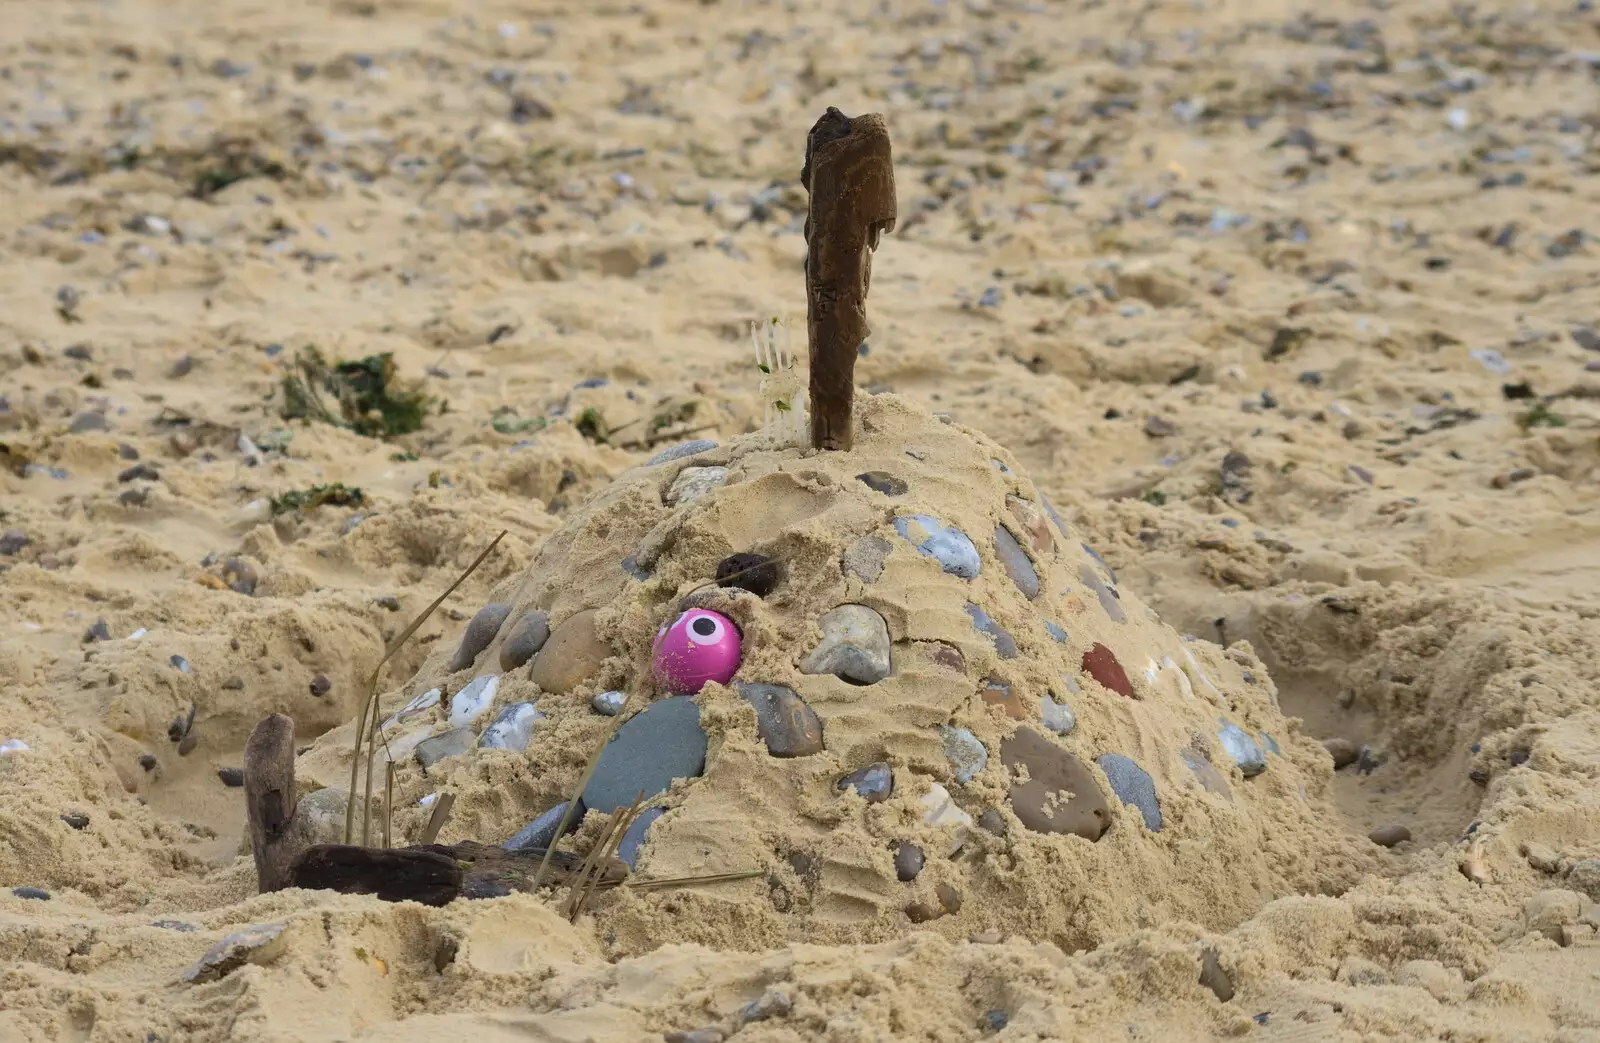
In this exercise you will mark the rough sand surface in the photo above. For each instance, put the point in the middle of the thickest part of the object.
(1287, 311)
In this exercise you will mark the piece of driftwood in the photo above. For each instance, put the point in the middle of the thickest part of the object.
(269, 800)
(436, 874)
(849, 176)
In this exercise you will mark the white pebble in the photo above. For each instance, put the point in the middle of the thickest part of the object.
(11, 746)
(470, 703)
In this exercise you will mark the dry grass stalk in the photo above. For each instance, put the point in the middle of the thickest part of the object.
(604, 849)
(388, 804)
(688, 881)
(436, 821)
(367, 720)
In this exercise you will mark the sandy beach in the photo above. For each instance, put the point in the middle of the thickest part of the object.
(1227, 465)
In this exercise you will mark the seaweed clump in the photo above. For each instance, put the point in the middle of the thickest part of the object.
(335, 494)
(368, 398)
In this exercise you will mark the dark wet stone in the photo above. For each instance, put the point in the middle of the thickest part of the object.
(1061, 794)
(681, 450)
(1004, 644)
(320, 685)
(866, 556)
(662, 742)
(634, 836)
(1244, 750)
(883, 482)
(231, 777)
(1101, 664)
(12, 541)
(525, 640)
(855, 646)
(1132, 785)
(1389, 834)
(1343, 751)
(964, 751)
(1055, 632)
(512, 728)
(756, 573)
(541, 832)
(37, 894)
(127, 452)
(995, 1020)
(486, 623)
(76, 821)
(1015, 561)
(89, 421)
(179, 663)
(994, 822)
(138, 472)
(147, 761)
(789, 727)
(1206, 774)
(1159, 427)
(948, 545)
(908, 862)
(453, 743)
(79, 352)
(100, 631)
(875, 782)
(1213, 977)
(1109, 602)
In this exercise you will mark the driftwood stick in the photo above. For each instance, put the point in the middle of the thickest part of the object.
(269, 800)
(849, 175)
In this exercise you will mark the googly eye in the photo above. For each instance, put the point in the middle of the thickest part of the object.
(705, 630)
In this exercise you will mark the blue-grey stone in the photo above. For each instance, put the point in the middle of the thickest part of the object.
(609, 703)
(681, 450)
(633, 837)
(1132, 785)
(630, 565)
(453, 743)
(541, 832)
(1245, 751)
(951, 547)
(1055, 632)
(512, 728)
(1108, 600)
(964, 751)
(1058, 717)
(662, 742)
(1101, 561)
(1271, 744)
(1049, 508)
(1016, 563)
(37, 894)
(1004, 644)
(875, 782)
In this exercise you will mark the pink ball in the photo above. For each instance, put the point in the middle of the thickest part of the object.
(701, 646)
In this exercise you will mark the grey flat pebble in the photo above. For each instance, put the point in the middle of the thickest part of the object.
(486, 623)
(90, 420)
(512, 728)
(1206, 774)
(866, 556)
(1055, 632)
(854, 646)
(1246, 753)
(1099, 561)
(1004, 644)
(262, 943)
(787, 725)
(662, 742)
(951, 547)
(1270, 744)
(1058, 717)
(453, 743)
(994, 822)
(179, 664)
(1016, 563)
(1108, 601)
(608, 704)
(415, 708)
(883, 482)
(965, 753)
(37, 894)
(908, 862)
(541, 832)
(474, 700)
(1213, 977)
(681, 450)
(1132, 785)
(12, 541)
(694, 483)
(525, 639)
(1050, 509)
(633, 838)
(875, 782)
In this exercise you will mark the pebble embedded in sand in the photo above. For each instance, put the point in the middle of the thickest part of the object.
(1206, 774)
(524, 641)
(756, 573)
(854, 646)
(694, 483)
(11, 746)
(789, 727)
(415, 708)
(660, 743)
(1389, 834)
(1058, 635)
(949, 901)
(908, 862)
(633, 838)
(262, 943)
(1061, 795)
(1016, 563)
(1005, 645)
(453, 743)
(875, 782)
(485, 624)
(994, 822)
(240, 576)
(35, 894)
(1132, 785)
(233, 778)
(541, 832)
(1343, 751)
(1213, 977)
(609, 704)
(1109, 602)
(1100, 663)
(474, 699)
(964, 751)
(681, 450)
(948, 545)
(1058, 717)
(997, 692)
(939, 811)
(573, 654)
(319, 817)
(1244, 750)
(883, 482)
(1033, 522)
(512, 728)
(866, 556)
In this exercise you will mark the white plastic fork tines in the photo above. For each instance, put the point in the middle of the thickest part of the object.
(782, 408)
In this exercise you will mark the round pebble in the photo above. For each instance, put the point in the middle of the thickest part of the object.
(1389, 834)
(1101, 664)
(609, 703)
(525, 640)
(964, 751)
(662, 742)
(485, 624)
(786, 724)
(1343, 751)
(320, 685)
(541, 832)
(1132, 785)
(1061, 794)
(572, 655)
(908, 862)
(756, 573)
(855, 646)
(875, 782)
(951, 547)
(453, 743)
(231, 777)
(1058, 717)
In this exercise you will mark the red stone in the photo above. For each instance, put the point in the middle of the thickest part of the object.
(1101, 664)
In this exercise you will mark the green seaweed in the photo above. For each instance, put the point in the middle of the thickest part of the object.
(1540, 415)
(368, 399)
(335, 494)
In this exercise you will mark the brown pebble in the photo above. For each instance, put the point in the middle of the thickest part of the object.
(998, 693)
(947, 656)
(231, 777)
(1101, 664)
(1034, 523)
(705, 1035)
(1343, 751)
(949, 902)
(188, 744)
(908, 861)
(573, 654)
(1389, 834)
(233, 643)
(524, 641)
(786, 724)
(1213, 977)
(1060, 795)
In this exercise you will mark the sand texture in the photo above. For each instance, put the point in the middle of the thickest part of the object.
(1199, 640)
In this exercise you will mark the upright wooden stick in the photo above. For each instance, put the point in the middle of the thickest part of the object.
(849, 175)
(269, 800)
